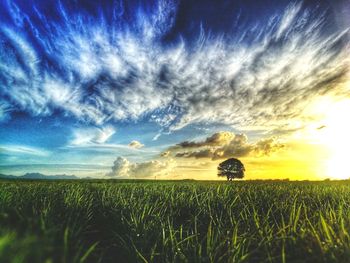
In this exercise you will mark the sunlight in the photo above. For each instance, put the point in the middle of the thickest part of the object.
(334, 133)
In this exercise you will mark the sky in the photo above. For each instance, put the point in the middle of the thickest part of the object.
(169, 89)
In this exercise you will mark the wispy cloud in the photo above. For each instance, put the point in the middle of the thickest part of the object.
(22, 150)
(91, 136)
(5, 110)
(98, 139)
(101, 70)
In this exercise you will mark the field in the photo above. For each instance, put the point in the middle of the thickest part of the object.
(186, 221)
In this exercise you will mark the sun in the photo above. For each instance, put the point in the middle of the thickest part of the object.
(334, 133)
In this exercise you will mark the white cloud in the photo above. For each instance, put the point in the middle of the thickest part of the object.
(92, 135)
(136, 145)
(120, 168)
(261, 77)
(123, 168)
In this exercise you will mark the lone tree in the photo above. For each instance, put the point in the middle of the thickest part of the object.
(231, 168)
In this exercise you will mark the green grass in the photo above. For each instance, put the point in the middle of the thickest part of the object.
(146, 221)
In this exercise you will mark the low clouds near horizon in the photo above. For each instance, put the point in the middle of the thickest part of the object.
(224, 144)
(123, 168)
(220, 145)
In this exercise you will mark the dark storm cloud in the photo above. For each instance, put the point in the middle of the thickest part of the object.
(100, 70)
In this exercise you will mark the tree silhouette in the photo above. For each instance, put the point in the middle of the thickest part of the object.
(231, 168)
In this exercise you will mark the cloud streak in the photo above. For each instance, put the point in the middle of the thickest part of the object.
(104, 69)
(22, 150)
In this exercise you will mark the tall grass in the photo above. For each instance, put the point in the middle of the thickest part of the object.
(104, 221)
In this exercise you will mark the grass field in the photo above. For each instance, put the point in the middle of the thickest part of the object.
(147, 221)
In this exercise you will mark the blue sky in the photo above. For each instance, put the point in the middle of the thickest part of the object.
(92, 83)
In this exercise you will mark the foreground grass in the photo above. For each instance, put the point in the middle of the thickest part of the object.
(103, 221)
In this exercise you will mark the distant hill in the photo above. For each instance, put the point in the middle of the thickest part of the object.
(39, 176)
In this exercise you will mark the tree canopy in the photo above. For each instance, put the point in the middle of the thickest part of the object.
(231, 168)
